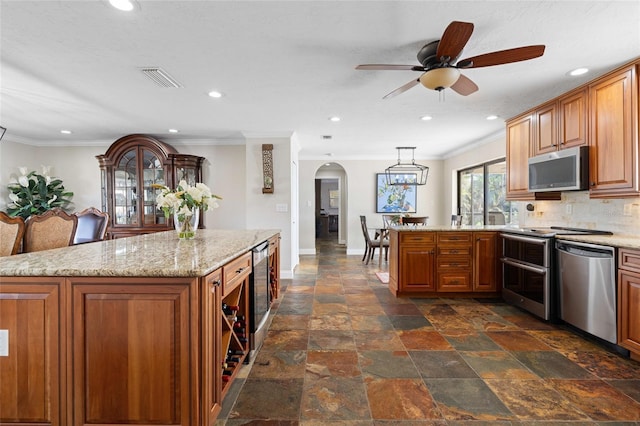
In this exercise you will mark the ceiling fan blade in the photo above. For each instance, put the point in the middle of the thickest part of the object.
(401, 89)
(390, 67)
(502, 57)
(464, 86)
(453, 40)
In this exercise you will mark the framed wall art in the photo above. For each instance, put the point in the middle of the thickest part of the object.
(395, 198)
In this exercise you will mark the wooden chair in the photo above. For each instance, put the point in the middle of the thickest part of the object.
(11, 233)
(92, 225)
(52, 229)
(372, 244)
(422, 220)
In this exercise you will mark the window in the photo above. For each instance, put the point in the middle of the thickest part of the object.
(482, 190)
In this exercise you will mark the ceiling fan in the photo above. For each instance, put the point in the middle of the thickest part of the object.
(438, 61)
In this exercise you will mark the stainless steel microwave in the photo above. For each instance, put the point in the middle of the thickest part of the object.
(564, 170)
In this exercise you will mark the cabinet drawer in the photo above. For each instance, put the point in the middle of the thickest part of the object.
(454, 250)
(417, 237)
(453, 262)
(235, 272)
(629, 259)
(451, 281)
(273, 244)
(454, 237)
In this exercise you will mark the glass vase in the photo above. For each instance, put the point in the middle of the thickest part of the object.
(187, 227)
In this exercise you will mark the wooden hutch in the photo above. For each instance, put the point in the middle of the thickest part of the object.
(128, 169)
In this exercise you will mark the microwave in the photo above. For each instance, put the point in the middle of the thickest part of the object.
(563, 170)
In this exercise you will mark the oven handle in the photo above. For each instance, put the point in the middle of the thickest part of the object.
(532, 240)
(530, 268)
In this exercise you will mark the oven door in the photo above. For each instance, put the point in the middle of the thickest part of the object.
(527, 274)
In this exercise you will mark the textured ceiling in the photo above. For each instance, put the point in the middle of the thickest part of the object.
(286, 67)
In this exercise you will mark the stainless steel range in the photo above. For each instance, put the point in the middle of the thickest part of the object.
(529, 267)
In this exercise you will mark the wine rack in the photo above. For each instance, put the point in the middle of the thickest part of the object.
(234, 311)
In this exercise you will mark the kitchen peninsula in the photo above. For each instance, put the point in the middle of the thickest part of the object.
(443, 261)
(122, 331)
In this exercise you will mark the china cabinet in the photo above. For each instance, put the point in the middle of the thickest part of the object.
(129, 168)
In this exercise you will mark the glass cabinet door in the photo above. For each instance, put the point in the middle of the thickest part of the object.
(153, 173)
(126, 189)
(186, 173)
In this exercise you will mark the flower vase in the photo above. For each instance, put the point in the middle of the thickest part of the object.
(186, 224)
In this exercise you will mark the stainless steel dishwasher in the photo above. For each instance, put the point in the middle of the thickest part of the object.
(587, 282)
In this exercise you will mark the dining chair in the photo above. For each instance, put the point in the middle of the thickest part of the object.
(372, 244)
(415, 220)
(11, 233)
(52, 229)
(92, 225)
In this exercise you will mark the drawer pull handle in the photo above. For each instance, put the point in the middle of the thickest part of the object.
(215, 284)
(454, 251)
(240, 270)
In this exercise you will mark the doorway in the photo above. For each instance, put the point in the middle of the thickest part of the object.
(330, 203)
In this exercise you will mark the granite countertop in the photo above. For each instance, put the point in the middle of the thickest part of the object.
(615, 240)
(160, 254)
(422, 228)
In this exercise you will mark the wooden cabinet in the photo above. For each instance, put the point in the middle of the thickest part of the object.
(129, 168)
(613, 153)
(519, 137)
(629, 301)
(211, 338)
(486, 253)
(434, 263)
(561, 123)
(454, 261)
(33, 373)
(417, 262)
(573, 115)
(132, 346)
(545, 132)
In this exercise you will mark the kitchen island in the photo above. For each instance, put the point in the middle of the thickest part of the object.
(445, 261)
(126, 331)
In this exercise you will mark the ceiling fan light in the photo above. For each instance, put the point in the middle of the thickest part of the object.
(440, 78)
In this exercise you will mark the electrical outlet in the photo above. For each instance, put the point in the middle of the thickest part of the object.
(4, 342)
(569, 208)
(627, 209)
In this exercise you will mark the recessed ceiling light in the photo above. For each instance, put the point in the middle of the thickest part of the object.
(125, 5)
(578, 71)
(327, 164)
(334, 119)
(426, 118)
(215, 94)
(173, 130)
(492, 117)
(65, 132)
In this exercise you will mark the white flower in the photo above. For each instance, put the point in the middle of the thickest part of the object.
(206, 192)
(23, 170)
(45, 170)
(13, 197)
(24, 181)
(195, 193)
(185, 210)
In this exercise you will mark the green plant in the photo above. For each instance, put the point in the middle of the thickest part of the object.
(35, 193)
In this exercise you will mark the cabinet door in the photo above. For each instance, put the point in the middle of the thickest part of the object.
(485, 258)
(519, 132)
(417, 268)
(573, 119)
(613, 152)
(211, 337)
(274, 266)
(545, 135)
(134, 341)
(629, 311)
(33, 371)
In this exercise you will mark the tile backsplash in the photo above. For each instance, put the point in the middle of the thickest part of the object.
(577, 210)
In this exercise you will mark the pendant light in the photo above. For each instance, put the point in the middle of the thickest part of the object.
(407, 172)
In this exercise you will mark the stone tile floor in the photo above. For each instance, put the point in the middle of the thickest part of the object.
(341, 350)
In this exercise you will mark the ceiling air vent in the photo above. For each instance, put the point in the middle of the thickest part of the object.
(160, 77)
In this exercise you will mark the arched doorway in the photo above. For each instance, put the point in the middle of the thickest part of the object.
(331, 202)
